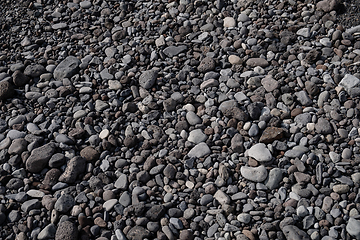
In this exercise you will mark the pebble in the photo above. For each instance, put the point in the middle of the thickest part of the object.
(40, 157)
(304, 32)
(244, 218)
(235, 60)
(30, 205)
(353, 227)
(206, 65)
(89, 154)
(64, 203)
(148, 78)
(200, 150)
(255, 174)
(109, 204)
(138, 232)
(172, 51)
(35, 193)
(69, 66)
(74, 168)
(85, 4)
(260, 153)
(121, 182)
(341, 188)
(274, 178)
(192, 118)
(254, 62)
(222, 197)
(6, 89)
(104, 133)
(229, 22)
(66, 230)
(47, 232)
(293, 232)
(197, 136)
(114, 85)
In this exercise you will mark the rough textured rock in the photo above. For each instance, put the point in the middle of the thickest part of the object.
(40, 157)
(74, 168)
(327, 5)
(66, 231)
(271, 134)
(6, 89)
(89, 154)
(138, 233)
(147, 79)
(293, 232)
(19, 78)
(207, 64)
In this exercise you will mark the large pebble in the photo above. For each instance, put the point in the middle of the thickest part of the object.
(138, 233)
(30, 205)
(254, 62)
(260, 153)
(40, 157)
(255, 174)
(274, 178)
(6, 90)
(353, 228)
(66, 231)
(294, 233)
(200, 150)
(47, 232)
(147, 79)
(349, 81)
(192, 118)
(229, 22)
(34, 70)
(206, 65)
(174, 50)
(67, 68)
(222, 197)
(74, 168)
(197, 136)
(64, 203)
(323, 126)
(235, 60)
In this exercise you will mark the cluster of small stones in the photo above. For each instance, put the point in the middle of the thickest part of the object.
(188, 119)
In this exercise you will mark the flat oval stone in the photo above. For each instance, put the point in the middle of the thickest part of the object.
(79, 114)
(35, 193)
(235, 60)
(341, 188)
(14, 134)
(31, 127)
(5, 143)
(109, 204)
(104, 133)
(254, 62)
(62, 138)
(255, 174)
(59, 26)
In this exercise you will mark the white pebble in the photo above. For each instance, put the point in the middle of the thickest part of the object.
(104, 133)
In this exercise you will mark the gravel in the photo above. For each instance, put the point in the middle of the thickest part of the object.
(179, 120)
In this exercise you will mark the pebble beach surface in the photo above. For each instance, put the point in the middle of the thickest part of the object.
(185, 119)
